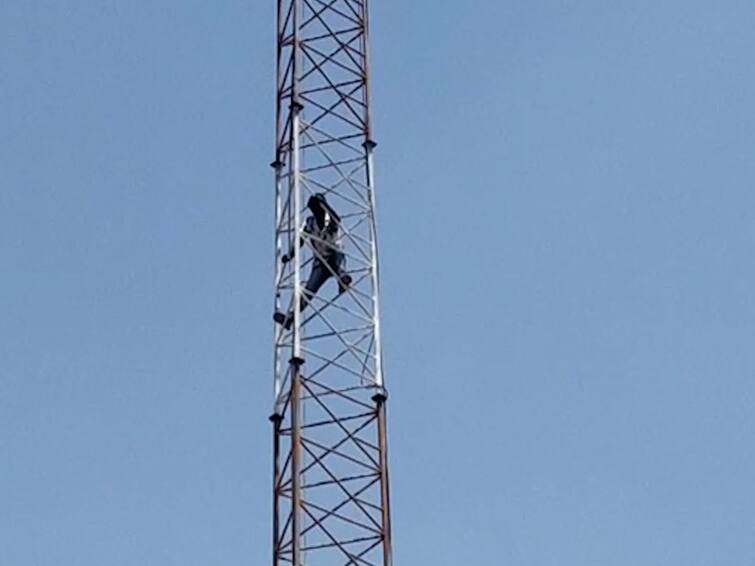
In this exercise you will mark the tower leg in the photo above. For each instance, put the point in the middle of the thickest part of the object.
(380, 400)
(276, 420)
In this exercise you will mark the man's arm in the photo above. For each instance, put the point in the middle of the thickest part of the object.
(290, 255)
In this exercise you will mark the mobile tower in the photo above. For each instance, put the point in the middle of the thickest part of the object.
(330, 472)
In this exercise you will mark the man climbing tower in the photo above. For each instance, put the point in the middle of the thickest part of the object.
(321, 231)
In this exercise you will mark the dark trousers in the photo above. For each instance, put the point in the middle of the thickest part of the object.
(321, 272)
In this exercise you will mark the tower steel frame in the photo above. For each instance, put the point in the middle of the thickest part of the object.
(330, 472)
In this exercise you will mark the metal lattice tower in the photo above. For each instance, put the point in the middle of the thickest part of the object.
(330, 479)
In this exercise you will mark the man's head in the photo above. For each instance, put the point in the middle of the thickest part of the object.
(318, 205)
(316, 202)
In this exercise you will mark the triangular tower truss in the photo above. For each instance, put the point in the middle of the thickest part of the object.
(330, 484)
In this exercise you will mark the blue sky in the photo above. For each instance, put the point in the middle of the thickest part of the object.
(566, 228)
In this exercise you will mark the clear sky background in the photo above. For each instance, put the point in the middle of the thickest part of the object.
(566, 210)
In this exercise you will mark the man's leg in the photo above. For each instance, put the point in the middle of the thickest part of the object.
(338, 265)
(319, 275)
